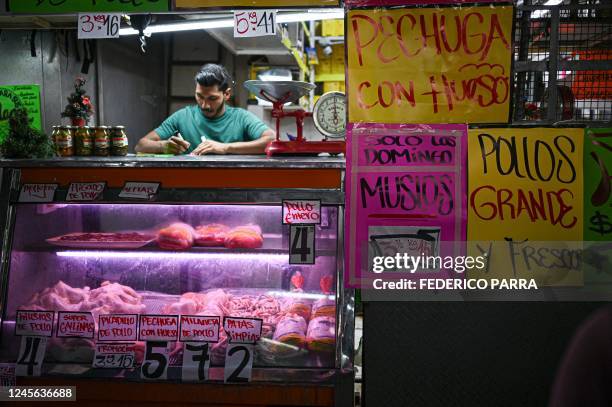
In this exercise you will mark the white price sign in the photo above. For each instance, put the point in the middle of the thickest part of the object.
(238, 363)
(302, 212)
(156, 361)
(85, 191)
(31, 356)
(254, 23)
(114, 356)
(37, 192)
(301, 244)
(139, 190)
(196, 362)
(34, 323)
(99, 25)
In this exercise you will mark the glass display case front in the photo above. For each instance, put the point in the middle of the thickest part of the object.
(167, 259)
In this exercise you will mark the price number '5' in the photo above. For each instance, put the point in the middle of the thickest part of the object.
(254, 23)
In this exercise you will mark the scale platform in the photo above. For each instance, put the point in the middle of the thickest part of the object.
(279, 93)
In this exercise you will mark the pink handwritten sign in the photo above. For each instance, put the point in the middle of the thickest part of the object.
(118, 327)
(158, 328)
(301, 212)
(75, 325)
(85, 191)
(199, 328)
(405, 193)
(387, 3)
(34, 323)
(242, 330)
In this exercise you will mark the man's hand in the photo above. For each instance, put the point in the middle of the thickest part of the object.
(210, 147)
(175, 145)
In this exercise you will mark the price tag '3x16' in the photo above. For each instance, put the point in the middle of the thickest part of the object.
(98, 25)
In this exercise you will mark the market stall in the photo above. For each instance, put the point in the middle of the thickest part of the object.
(209, 270)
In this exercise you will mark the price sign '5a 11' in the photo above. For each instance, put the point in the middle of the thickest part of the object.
(254, 23)
(99, 25)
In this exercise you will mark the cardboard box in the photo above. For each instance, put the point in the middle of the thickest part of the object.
(332, 28)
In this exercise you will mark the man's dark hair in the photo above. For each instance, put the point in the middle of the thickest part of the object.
(213, 74)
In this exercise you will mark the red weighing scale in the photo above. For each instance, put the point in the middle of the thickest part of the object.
(328, 114)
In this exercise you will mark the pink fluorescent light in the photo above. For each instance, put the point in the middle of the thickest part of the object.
(309, 296)
(169, 255)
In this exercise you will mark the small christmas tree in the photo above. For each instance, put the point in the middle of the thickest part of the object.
(79, 105)
(23, 141)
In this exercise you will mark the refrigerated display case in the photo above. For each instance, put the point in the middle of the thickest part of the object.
(211, 242)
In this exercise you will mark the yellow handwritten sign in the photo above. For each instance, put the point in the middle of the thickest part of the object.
(429, 65)
(196, 4)
(526, 193)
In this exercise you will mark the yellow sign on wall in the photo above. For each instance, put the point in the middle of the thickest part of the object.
(525, 202)
(197, 4)
(429, 65)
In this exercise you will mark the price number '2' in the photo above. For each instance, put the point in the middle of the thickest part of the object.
(239, 363)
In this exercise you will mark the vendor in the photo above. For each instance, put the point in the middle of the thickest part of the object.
(211, 126)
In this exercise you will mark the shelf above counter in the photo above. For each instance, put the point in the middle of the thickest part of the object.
(184, 161)
(325, 247)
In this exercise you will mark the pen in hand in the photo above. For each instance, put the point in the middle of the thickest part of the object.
(179, 143)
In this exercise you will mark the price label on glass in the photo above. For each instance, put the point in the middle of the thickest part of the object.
(37, 192)
(301, 244)
(196, 362)
(156, 361)
(31, 356)
(254, 23)
(99, 25)
(114, 355)
(238, 363)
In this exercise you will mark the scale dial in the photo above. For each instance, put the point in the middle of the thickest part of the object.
(329, 115)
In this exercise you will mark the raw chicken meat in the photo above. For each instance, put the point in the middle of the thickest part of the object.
(244, 237)
(297, 281)
(184, 306)
(216, 304)
(74, 295)
(178, 236)
(108, 298)
(60, 297)
(113, 298)
(212, 304)
(211, 235)
(326, 283)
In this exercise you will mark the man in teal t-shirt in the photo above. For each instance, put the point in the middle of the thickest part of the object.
(211, 126)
